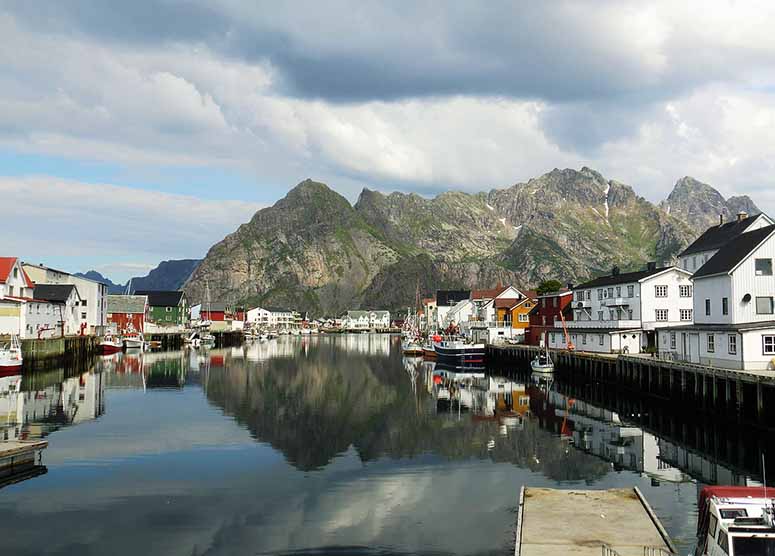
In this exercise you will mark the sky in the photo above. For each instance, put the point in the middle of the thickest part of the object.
(134, 132)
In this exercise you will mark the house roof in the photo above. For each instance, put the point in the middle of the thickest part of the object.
(507, 303)
(278, 310)
(560, 293)
(162, 298)
(491, 293)
(6, 266)
(717, 236)
(54, 292)
(216, 308)
(621, 278)
(448, 298)
(734, 252)
(127, 303)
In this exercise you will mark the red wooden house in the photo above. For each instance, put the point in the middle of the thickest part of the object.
(127, 312)
(546, 311)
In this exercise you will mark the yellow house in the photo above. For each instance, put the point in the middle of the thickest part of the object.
(515, 311)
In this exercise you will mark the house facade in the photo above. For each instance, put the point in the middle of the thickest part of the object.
(20, 313)
(127, 313)
(93, 294)
(734, 306)
(547, 310)
(166, 308)
(272, 317)
(445, 301)
(356, 320)
(71, 315)
(621, 312)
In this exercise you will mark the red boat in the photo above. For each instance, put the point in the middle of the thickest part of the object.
(111, 344)
(11, 359)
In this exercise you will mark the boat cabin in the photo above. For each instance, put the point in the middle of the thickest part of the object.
(736, 521)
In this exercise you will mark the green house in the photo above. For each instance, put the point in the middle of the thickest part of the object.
(166, 308)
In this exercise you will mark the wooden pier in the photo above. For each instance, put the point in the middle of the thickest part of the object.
(748, 393)
(18, 460)
(615, 522)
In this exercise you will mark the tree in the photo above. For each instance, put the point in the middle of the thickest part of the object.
(549, 286)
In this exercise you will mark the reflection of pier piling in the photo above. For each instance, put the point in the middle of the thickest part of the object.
(584, 522)
(750, 395)
(18, 461)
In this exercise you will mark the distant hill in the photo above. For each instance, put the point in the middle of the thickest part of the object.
(169, 275)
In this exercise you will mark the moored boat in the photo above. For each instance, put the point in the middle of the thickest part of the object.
(133, 340)
(411, 346)
(459, 351)
(11, 359)
(542, 363)
(739, 521)
(111, 344)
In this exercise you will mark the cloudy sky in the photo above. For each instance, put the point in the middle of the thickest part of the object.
(133, 132)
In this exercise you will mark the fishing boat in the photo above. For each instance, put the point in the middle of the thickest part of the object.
(458, 351)
(411, 346)
(133, 340)
(11, 359)
(542, 363)
(734, 520)
(111, 344)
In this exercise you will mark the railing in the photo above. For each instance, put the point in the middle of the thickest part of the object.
(647, 551)
(623, 323)
(615, 302)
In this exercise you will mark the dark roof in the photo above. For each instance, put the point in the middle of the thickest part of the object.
(734, 252)
(621, 278)
(162, 298)
(216, 307)
(448, 298)
(53, 292)
(717, 236)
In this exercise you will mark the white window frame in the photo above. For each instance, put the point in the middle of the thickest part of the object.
(602, 339)
(732, 344)
(630, 291)
(660, 290)
(768, 344)
(772, 305)
(661, 315)
(711, 343)
(684, 291)
(673, 340)
(686, 315)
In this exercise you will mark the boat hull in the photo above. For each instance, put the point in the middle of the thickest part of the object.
(10, 367)
(467, 354)
(108, 349)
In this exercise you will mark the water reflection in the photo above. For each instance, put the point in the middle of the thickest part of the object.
(320, 444)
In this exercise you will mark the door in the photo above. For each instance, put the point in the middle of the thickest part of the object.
(694, 348)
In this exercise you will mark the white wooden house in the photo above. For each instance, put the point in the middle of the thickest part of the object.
(20, 312)
(734, 306)
(621, 312)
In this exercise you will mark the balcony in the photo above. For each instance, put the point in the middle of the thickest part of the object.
(611, 324)
(582, 304)
(616, 302)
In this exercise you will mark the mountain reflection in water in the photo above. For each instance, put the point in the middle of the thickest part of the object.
(315, 445)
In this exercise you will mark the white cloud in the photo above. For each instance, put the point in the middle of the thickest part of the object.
(51, 217)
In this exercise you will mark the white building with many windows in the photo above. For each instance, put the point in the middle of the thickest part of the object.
(621, 312)
(734, 305)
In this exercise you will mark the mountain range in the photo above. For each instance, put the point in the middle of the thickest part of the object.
(316, 252)
(169, 275)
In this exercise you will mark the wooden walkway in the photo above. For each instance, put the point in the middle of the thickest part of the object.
(588, 523)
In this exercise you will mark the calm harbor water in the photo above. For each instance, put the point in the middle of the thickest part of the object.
(323, 445)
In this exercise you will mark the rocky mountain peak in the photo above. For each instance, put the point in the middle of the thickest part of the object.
(700, 205)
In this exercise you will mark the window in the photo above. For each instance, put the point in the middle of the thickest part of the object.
(672, 340)
(589, 295)
(661, 315)
(764, 306)
(584, 339)
(613, 314)
(554, 302)
(724, 305)
(732, 344)
(83, 303)
(618, 291)
(600, 315)
(694, 263)
(610, 292)
(764, 267)
(83, 316)
(523, 317)
(15, 272)
(168, 318)
(660, 291)
(768, 343)
(168, 309)
(712, 525)
(600, 294)
(579, 296)
(711, 343)
(551, 338)
(686, 314)
(723, 541)
(630, 291)
(629, 314)
(685, 291)
(707, 307)
(543, 303)
(543, 320)
(602, 339)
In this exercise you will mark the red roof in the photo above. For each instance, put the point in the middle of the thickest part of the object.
(488, 294)
(506, 303)
(6, 265)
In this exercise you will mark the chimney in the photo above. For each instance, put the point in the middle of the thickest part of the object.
(651, 265)
(720, 219)
(742, 215)
(570, 285)
(615, 271)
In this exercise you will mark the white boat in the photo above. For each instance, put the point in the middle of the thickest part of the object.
(134, 340)
(412, 346)
(542, 363)
(11, 359)
(736, 521)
